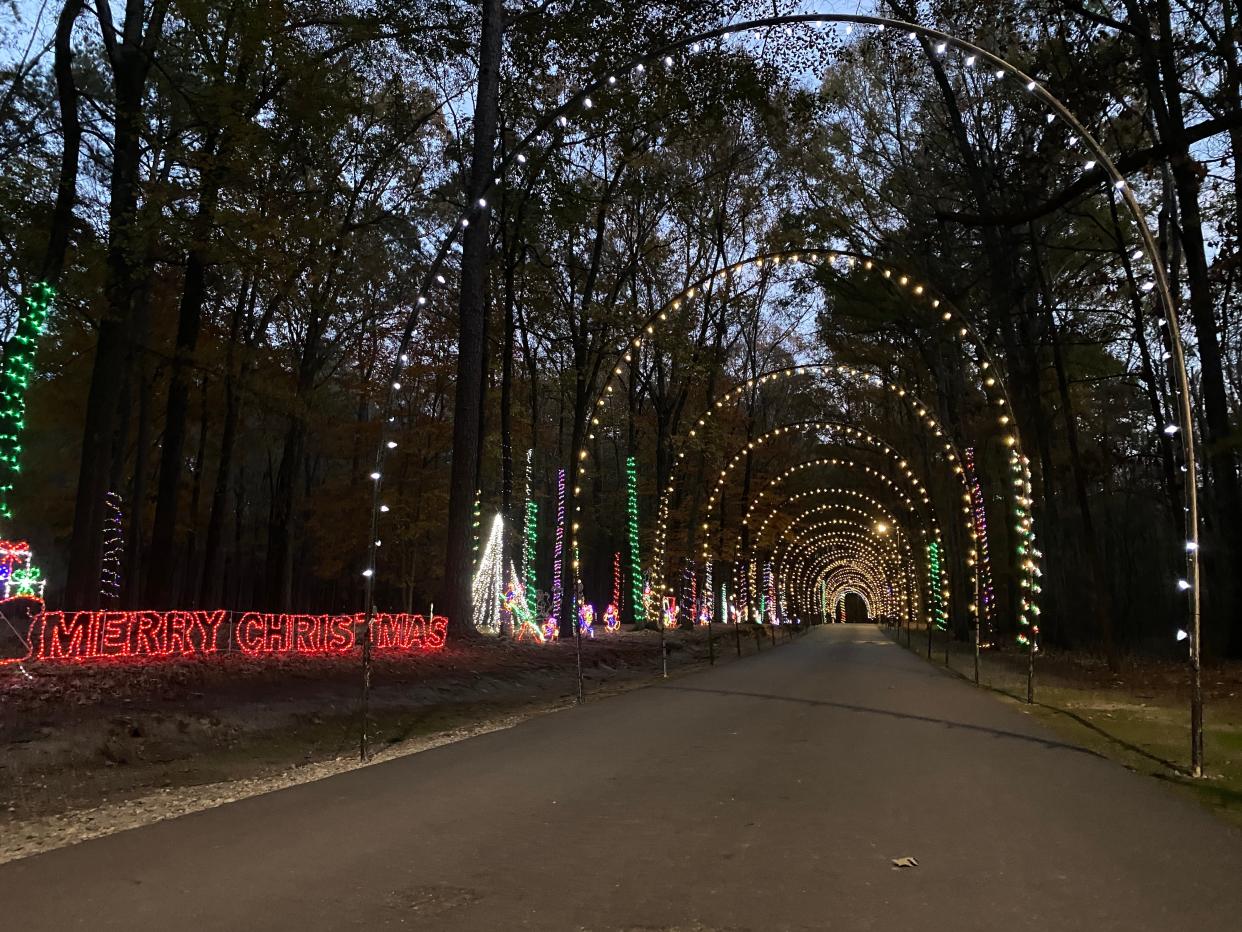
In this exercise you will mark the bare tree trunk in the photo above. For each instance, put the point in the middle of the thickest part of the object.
(172, 454)
(130, 61)
(472, 313)
(71, 144)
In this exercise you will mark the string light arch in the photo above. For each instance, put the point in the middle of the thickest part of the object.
(937, 588)
(835, 430)
(838, 572)
(884, 554)
(1027, 553)
(556, 120)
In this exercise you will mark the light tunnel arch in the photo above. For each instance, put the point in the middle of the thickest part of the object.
(931, 514)
(1026, 555)
(880, 571)
(839, 595)
(1020, 462)
(815, 425)
(839, 434)
(991, 384)
(885, 564)
(936, 589)
(789, 551)
(835, 573)
(580, 102)
(938, 592)
(945, 441)
(818, 491)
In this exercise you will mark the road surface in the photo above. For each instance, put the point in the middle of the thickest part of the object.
(768, 794)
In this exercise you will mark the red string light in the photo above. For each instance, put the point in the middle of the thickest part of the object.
(80, 637)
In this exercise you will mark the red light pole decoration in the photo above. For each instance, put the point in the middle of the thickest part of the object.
(21, 578)
(558, 559)
(612, 614)
(986, 597)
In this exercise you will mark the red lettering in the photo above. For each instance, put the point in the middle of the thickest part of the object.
(250, 633)
(78, 636)
(308, 633)
(340, 634)
(209, 623)
(113, 634)
(65, 640)
(436, 637)
(180, 625)
(276, 634)
(396, 632)
(150, 633)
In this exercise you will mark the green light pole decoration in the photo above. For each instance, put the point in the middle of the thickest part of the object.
(940, 617)
(636, 570)
(15, 375)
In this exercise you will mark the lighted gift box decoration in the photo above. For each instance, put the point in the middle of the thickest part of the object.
(21, 579)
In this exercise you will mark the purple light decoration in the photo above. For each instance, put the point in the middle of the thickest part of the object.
(558, 556)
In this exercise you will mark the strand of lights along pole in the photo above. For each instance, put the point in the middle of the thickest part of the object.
(709, 596)
(476, 521)
(15, 375)
(558, 554)
(983, 563)
(636, 568)
(940, 616)
(113, 547)
(612, 614)
(529, 538)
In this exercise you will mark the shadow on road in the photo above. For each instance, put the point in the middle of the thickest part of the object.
(1178, 770)
(997, 732)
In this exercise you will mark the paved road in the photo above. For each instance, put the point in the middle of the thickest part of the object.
(768, 794)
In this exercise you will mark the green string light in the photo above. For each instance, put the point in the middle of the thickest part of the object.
(15, 375)
(940, 616)
(528, 553)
